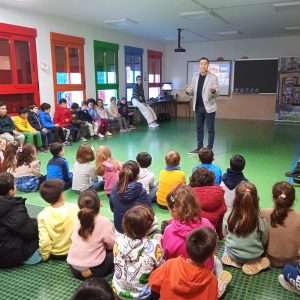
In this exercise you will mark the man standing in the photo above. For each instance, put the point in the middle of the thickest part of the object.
(204, 88)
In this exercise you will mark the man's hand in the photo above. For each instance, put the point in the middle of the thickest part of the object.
(45, 130)
(188, 90)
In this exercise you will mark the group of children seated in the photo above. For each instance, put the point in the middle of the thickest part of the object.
(35, 125)
(176, 261)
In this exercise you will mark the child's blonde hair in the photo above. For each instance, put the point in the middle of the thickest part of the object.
(103, 153)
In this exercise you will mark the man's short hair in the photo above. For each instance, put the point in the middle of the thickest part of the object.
(204, 58)
(51, 190)
(23, 110)
(201, 244)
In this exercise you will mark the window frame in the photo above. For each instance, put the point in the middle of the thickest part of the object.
(14, 33)
(105, 46)
(132, 51)
(67, 41)
(153, 54)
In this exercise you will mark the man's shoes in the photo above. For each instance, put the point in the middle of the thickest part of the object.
(195, 151)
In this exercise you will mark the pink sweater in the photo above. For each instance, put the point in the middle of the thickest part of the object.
(91, 252)
(174, 238)
(111, 175)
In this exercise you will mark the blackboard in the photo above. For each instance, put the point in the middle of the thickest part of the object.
(257, 74)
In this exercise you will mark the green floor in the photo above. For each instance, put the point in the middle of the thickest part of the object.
(269, 149)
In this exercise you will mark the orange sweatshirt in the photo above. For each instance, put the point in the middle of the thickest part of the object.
(179, 278)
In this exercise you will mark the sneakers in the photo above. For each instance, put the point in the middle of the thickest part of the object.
(286, 285)
(108, 133)
(257, 266)
(83, 139)
(195, 151)
(295, 172)
(101, 136)
(66, 143)
(228, 261)
(223, 281)
(153, 125)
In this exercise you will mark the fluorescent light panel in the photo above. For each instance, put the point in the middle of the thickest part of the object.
(291, 28)
(232, 32)
(193, 13)
(122, 21)
(286, 4)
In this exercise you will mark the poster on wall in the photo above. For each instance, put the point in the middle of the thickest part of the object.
(288, 96)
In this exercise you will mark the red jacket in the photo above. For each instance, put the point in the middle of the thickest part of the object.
(212, 203)
(62, 116)
(179, 278)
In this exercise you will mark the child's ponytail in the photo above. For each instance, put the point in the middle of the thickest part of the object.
(89, 204)
(283, 198)
(128, 173)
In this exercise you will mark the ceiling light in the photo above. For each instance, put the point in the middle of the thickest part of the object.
(194, 15)
(232, 32)
(291, 28)
(122, 21)
(286, 4)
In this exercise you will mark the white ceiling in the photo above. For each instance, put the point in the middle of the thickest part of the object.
(158, 19)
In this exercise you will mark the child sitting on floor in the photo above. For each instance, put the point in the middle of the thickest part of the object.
(206, 157)
(146, 177)
(56, 221)
(94, 289)
(284, 223)
(93, 238)
(290, 277)
(127, 193)
(135, 255)
(233, 177)
(169, 178)
(108, 168)
(246, 232)
(58, 167)
(84, 172)
(10, 157)
(209, 196)
(28, 170)
(187, 278)
(19, 233)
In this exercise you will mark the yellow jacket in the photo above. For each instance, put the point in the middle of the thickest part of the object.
(55, 229)
(23, 125)
(168, 180)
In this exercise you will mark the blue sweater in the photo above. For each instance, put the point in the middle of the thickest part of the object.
(213, 168)
(58, 168)
(45, 120)
(121, 202)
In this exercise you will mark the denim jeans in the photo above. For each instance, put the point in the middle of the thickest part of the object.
(201, 117)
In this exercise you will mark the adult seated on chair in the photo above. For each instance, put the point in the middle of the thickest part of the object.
(138, 100)
(8, 130)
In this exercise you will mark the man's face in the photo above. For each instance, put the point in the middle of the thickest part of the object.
(3, 111)
(64, 104)
(139, 81)
(24, 116)
(203, 66)
(35, 110)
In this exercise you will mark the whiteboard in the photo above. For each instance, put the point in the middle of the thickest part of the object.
(222, 69)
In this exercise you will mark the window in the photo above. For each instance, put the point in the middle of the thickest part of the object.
(18, 67)
(133, 68)
(106, 70)
(154, 73)
(68, 68)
